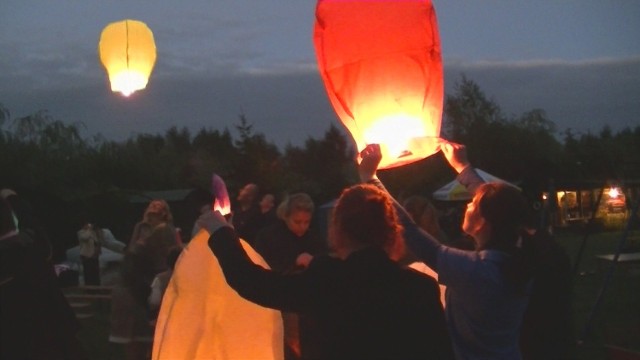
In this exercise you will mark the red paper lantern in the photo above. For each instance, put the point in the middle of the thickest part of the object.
(382, 68)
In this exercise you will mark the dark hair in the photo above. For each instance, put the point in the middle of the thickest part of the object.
(6, 217)
(365, 214)
(423, 213)
(293, 203)
(173, 256)
(505, 209)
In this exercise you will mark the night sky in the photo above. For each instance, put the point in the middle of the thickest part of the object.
(578, 60)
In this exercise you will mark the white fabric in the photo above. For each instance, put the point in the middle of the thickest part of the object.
(425, 269)
(155, 298)
(88, 241)
(202, 317)
(456, 191)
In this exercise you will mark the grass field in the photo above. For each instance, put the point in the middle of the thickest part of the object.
(616, 321)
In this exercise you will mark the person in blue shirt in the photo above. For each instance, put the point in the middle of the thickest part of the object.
(487, 288)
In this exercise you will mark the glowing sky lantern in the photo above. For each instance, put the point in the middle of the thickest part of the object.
(128, 53)
(202, 317)
(220, 194)
(382, 68)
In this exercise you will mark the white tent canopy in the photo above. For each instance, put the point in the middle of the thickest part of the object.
(455, 191)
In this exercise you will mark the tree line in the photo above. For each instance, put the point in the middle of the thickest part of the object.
(49, 161)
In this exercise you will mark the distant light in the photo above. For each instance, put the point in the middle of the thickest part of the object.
(614, 193)
(128, 52)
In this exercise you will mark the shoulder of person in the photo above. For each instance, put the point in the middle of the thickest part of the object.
(324, 261)
(275, 228)
(19, 250)
(17, 241)
(420, 277)
(164, 227)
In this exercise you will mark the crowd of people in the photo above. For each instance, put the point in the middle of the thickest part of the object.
(387, 283)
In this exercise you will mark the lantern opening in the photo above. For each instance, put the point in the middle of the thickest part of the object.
(128, 81)
(395, 132)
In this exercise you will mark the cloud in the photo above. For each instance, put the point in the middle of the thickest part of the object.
(581, 95)
(287, 108)
(288, 102)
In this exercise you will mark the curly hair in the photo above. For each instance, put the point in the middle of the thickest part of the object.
(366, 216)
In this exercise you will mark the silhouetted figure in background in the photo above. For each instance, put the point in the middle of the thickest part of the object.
(160, 282)
(425, 215)
(28, 223)
(90, 248)
(246, 213)
(147, 253)
(35, 318)
(547, 326)
(288, 246)
(268, 214)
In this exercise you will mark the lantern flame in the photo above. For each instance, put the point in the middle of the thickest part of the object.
(614, 193)
(127, 82)
(219, 190)
(395, 133)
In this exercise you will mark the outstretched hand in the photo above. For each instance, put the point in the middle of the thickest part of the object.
(212, 221)
(456, 154)
(369, 158)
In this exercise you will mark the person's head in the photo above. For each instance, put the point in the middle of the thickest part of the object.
(296, 211)
(267, 202)
(7, 220)
(496, 216)
(158, 211)
(423, 213)
(364, 216)
(248, 194)
(173, 256)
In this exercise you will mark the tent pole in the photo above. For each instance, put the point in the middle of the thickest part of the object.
(587, 328)
(588, 230)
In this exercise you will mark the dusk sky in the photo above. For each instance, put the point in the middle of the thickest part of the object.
(577, 60)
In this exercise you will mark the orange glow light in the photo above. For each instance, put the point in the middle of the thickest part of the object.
(128, 52)
(222, 202)
(614, 193)
(382, 68)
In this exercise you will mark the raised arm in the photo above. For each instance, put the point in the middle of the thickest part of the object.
(456, 155)
(423, 245)
(251, 281)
